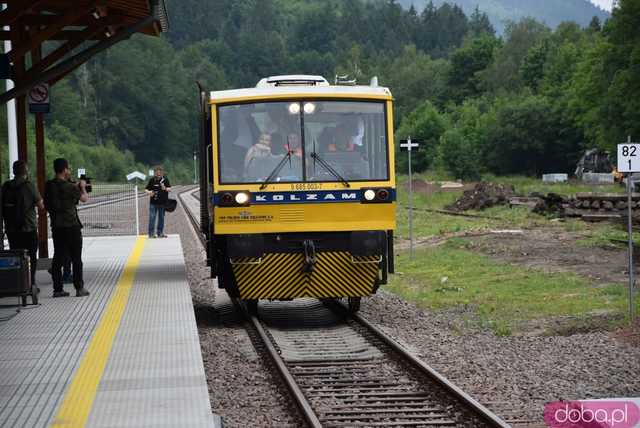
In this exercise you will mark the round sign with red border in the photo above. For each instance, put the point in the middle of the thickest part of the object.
(39, 94)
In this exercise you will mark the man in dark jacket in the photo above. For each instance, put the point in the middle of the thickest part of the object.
(19, 201)
(61, 198)
(158, 189)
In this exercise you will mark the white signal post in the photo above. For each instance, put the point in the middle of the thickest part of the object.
(629, 162)
(136, 175)
(408, 145)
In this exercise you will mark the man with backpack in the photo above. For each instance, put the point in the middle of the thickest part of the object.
(20, 198)
(61, 195)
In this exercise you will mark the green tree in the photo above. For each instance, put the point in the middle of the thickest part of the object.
(479, 24)
(463, 146)
(504, 72)
(414, 77)
(529, 137)
(466, 62)
(424, 123)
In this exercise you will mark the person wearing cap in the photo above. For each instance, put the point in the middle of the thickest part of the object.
(61, 198)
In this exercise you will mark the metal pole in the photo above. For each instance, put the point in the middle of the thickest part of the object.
(410, 201)
(632, 312)
(43, 235)
(137, 209)
(12, 129)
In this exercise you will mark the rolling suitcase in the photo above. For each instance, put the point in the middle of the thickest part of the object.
(15, 276)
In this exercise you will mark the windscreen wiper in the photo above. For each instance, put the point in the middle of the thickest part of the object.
(328, 167)
(276, 170)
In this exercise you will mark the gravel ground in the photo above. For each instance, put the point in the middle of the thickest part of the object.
(513, 375)
(242, 387)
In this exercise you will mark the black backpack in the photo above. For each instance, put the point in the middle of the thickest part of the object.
(14, 210)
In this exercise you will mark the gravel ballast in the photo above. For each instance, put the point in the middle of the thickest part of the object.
(242, 387)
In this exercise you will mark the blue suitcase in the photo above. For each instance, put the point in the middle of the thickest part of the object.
(15, 277)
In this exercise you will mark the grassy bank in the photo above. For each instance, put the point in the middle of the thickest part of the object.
(504, 296)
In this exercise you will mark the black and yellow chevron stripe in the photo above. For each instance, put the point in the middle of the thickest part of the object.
(280, 276)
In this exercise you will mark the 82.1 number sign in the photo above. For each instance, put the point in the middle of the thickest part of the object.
(629, 157)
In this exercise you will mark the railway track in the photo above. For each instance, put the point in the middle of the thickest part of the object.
(344, 371)
(110, 199)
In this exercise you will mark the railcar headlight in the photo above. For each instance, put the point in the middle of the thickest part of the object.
(309, 108)
(294, 108)
(242, 198)
(369, 195)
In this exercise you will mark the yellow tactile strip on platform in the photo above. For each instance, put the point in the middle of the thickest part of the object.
(79, 397)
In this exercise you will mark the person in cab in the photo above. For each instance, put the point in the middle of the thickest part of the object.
(260, 150)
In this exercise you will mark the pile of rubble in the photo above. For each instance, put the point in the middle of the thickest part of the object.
(589, 206)
(483, 195)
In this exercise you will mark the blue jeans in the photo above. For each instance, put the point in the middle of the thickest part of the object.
(156, 210)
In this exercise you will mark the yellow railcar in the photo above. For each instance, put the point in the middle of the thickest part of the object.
(300, 189)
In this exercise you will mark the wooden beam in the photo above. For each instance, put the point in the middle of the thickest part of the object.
(53, 74)
(65, 48)
(60, 36)
(15, 10)
(49, 19)
(44, 35)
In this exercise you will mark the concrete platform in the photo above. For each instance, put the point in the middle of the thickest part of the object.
(128, 355)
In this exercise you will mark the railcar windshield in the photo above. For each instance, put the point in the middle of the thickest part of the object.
(303, 141)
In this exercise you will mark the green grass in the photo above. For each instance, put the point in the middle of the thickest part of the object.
(503, 295)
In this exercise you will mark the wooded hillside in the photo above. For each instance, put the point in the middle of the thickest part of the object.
(528, 101)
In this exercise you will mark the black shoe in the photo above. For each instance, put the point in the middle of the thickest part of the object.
(60, 294)
(81, 292)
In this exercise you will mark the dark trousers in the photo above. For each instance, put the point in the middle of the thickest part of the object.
(67, 245)
(26, 241)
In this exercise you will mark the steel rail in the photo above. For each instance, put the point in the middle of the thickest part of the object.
(481, 411)
(299, 396)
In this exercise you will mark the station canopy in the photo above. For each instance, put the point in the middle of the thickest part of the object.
(51, 38)
(79, 29)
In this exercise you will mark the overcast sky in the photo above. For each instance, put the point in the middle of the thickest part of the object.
(605, 4)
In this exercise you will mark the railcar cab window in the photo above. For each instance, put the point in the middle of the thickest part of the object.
(346, 136)
(301, 140)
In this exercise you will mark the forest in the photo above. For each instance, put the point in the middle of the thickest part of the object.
(527, 101)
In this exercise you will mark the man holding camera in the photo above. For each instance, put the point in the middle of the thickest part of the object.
(158, 189)
(61, 197)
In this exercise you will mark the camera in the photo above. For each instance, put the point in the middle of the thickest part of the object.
(88, 181)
